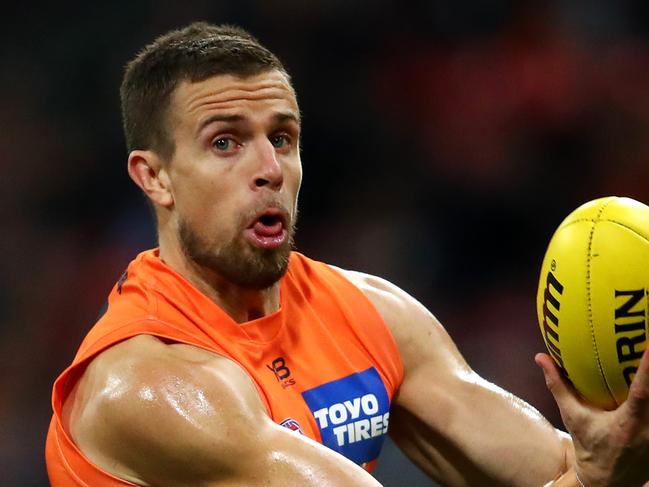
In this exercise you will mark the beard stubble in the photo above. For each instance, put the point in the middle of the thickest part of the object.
(237, 260)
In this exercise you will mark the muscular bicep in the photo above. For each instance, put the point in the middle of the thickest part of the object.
(179, 416)
(458, 427)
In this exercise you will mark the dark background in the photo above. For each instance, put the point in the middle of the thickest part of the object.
(443, 143)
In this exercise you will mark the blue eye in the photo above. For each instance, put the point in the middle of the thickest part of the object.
(223, 143)
(279, 141)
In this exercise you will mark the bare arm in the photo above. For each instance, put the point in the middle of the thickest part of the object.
(459, 428)
(175, 415)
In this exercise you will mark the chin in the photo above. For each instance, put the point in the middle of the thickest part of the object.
(262, 271)
(237, 261)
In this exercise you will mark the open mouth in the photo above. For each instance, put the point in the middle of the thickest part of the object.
(269, 225)
(268, 229)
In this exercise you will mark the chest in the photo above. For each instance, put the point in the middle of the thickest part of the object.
(347, 411)
(326, 385)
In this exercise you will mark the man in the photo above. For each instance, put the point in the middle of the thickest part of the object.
(226, 359)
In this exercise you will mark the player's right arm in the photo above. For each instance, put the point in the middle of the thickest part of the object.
(176, 415)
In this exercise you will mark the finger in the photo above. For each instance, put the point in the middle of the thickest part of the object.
(639, 391)
(568, 479)
(570, 405)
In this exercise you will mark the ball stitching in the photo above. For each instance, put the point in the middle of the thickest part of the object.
(589, 299)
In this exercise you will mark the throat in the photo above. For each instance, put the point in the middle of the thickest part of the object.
(250, 305)
(241, 302)
(255, 314)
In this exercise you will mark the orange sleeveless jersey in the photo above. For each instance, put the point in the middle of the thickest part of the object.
(325, 364)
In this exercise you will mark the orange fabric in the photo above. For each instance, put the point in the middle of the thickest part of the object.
(324, 364)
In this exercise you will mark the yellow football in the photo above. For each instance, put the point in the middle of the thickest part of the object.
(592, 297)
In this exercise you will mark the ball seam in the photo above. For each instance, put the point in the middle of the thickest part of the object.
(589, 298)
(624, 225)
(607, 220)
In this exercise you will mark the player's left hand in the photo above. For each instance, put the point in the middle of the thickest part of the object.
(611, 447)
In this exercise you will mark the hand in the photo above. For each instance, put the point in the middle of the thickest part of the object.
(611, 447)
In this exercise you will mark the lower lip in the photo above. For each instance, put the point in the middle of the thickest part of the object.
(266, 241)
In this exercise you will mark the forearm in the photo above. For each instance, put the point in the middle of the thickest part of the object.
(480, 435)
(516, 444)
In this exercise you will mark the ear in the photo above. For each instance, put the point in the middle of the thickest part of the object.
(147, 171)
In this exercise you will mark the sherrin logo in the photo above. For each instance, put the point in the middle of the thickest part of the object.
(630, 325)
(352, 414)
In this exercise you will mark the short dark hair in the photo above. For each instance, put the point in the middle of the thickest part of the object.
(193, 53)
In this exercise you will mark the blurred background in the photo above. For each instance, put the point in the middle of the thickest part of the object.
(443, 143)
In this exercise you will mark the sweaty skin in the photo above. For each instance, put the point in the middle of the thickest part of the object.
(174, 415)
(459, 428)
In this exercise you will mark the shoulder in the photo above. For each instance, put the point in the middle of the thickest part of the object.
(390, 300)
(422, 341)
(402, 313)
(169, 403)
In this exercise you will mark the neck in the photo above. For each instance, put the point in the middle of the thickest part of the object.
(241, 304)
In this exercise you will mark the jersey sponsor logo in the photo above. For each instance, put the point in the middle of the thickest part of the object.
(282, 372)
(291, 424)
(352, 414)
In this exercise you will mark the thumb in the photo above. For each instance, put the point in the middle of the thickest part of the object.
(571, 407)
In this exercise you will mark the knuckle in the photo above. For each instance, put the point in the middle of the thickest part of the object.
(639, 392)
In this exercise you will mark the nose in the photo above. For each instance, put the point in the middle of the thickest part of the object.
(268, 172)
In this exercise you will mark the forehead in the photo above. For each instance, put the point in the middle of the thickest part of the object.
(263, 94)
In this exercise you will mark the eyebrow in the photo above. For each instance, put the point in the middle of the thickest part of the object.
(218, 118)
(287, 117)
(280, 117)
